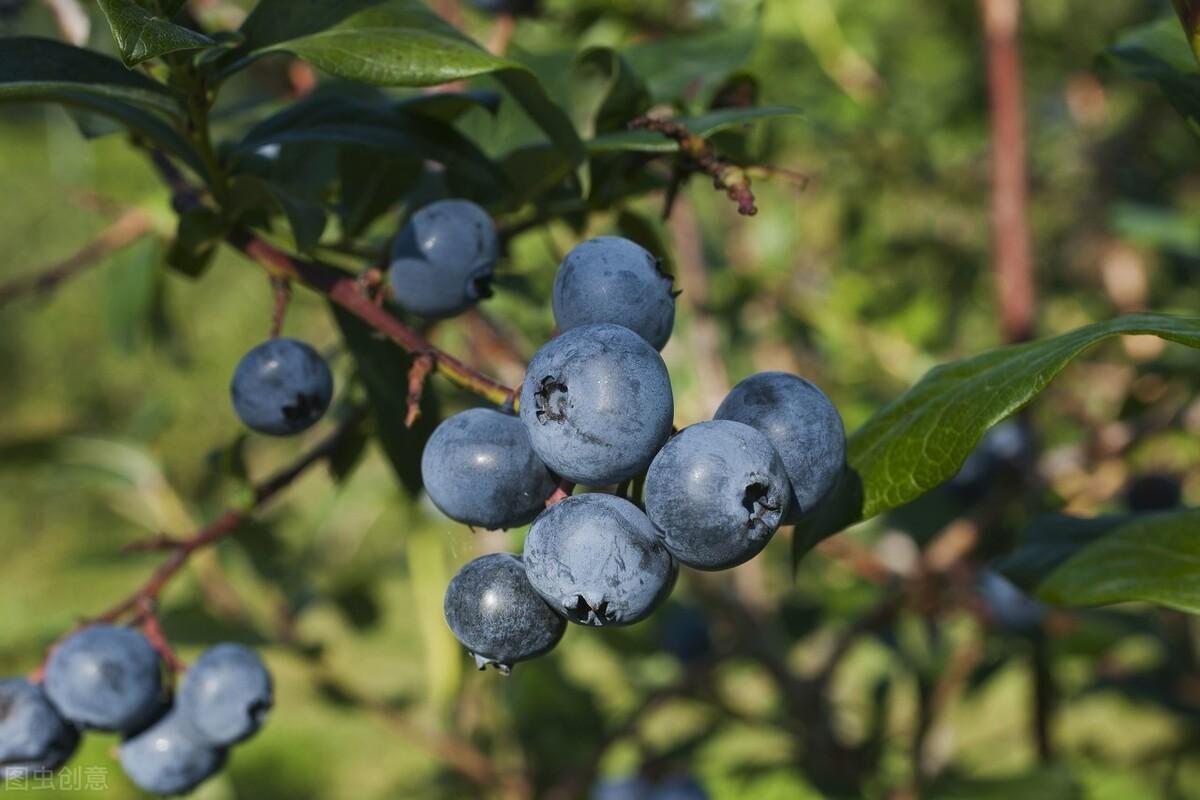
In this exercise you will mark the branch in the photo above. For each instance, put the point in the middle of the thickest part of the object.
(131, 226)
(698, 155)
(343, 289)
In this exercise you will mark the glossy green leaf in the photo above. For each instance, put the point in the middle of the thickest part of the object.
(1159, 52)
(44, 69)
(1155, 559)
(704, 126)
(921, 439)
(141, 35)
(394, 43)
(306, 219)
(605, 92)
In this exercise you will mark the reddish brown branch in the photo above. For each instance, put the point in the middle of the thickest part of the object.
(422, 365)
(698, 155)
(283, 296)
(564, 490)
(131, 226)
(158, 640)
(1010, 224)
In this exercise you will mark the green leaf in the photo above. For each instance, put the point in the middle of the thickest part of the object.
(1050, 782)
(383, 369)
(1159, 52)
(394, 43)
(1049, 542)
(920, 440)
(141, 36)
(689, 69)
(44, 69)
(704, 126)
(1189, 17)
(306, 219)
(201, 230)
(1155, 559)
(605, 92)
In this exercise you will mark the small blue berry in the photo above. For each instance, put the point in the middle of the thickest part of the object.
(33, 737)
(494, 612)
(717, 492)
(444, 259)
(614, 280)
(226, 695)
(106, 678)
(479, 468)
(803, 426)
(597, 560)
(597, 404)
(168, 759)
(281, 387)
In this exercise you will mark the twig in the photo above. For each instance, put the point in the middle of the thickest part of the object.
(131, 226)
(158, 640)
(343, 289)
(502, 34)
(697, 155)
(1010, 224)
(422, 365)
(283, 296)
(563, 491)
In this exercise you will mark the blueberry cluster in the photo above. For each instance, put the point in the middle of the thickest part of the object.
(596, 409)
(109, 678)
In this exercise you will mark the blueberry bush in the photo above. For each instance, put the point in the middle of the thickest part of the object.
(661, 360)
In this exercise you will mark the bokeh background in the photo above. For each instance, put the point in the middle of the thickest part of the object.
(115, 424)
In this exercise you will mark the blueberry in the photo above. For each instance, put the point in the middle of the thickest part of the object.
(226, 695)
(33, 737)
(107, 678)
(798, 419)
(479, 468)
(281, 387)
(444, 258)
(597, 404)
(168, 758)
(491, 608)
(598, 561)
(614, 280)
(717, 492)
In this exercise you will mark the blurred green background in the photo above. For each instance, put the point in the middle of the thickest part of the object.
(115, 425)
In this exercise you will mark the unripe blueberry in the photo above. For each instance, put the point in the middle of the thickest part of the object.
(597, 560)
(494, 612)
(717, 492)
(597, 404)
(107, 678)
(479, 468)
(613, 280)
(281, 387)
(168, 759)
(33, 737)
(444, 258)
(803, 426)
(226, 695)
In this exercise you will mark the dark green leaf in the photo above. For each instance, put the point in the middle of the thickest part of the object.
(1049, 542)
(44, 69)
(1045, 783)
(348, 455)
(199, 233)
(1159, 52)
(648, 233)
(141, 36)
(383, 369)
(394, 43)
(922, 439)
(134, 294)
(371, 186)
(449, 106)
(704, 126)
(306, 219)
(1189, 17)
(689, 69)
(605, 92)
(1155, 559)
(356, 600)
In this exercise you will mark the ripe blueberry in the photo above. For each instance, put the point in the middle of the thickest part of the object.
(281, 387)
(444, 258)
(167, 758)
(479, 468)
(33, 737)
(717, 492)
(226, 695)
(614, 280)
(494, 612)
(597, 404)
(598, 561)
(107, 678)
(804, 427)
